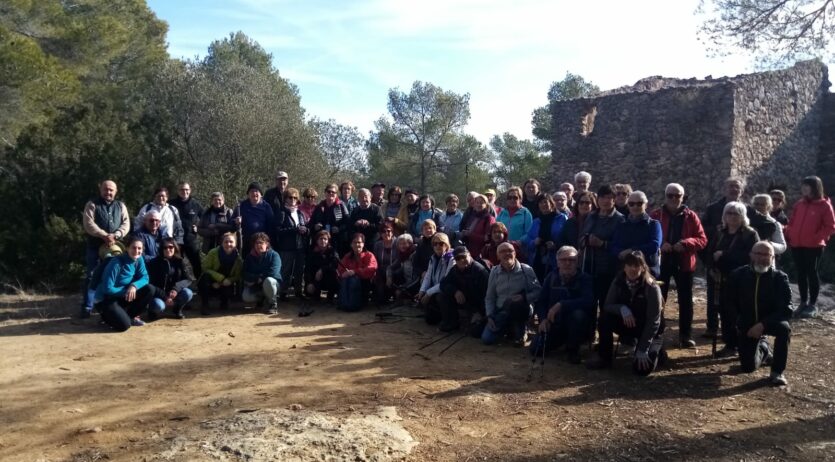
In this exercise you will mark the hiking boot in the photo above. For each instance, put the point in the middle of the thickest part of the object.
(709, 333)
(726, 352)
(687, 342)
(85, 312)
(273, 309)
(809, 311)
(137, 322)
(598, 363)
(778, 380)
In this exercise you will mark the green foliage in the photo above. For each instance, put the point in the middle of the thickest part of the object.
(517, 160)
(342, 147)
(571, 87)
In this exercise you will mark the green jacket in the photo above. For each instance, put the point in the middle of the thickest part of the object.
(211, 266)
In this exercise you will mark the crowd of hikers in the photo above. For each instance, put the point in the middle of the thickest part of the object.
(569, 267)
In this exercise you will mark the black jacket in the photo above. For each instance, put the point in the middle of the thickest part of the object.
(170, 274)
(287, 231)
(736, 249)
(190, 213)
(755, 297)
(372, 215)
(472, 282)
(326, 261)
(222, 220)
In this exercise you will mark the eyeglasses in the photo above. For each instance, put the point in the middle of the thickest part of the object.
(330, 192)
(460, 257)
(634, 204)
(673, 195)
(168, 247)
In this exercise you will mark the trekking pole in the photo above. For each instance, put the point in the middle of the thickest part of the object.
(238, 226)
(541, 342)
(436, 340)
(542, 362)
(453, 343)
(717, 287)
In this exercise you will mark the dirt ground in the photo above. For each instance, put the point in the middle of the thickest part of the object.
(209, 388)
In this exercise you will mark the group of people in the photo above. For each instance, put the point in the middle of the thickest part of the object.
(570, 266)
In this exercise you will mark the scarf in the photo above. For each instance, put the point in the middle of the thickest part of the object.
(227, 261)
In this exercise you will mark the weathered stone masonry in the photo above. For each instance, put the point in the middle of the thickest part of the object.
(770, 128)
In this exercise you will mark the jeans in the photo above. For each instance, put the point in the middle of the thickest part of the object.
(118, 313)
(684, 287)
(292, 270)
(181, 300)
(752, 351)
(808, 281)
(353, 293)
(91, 260)
(255, 293)
(511, 317)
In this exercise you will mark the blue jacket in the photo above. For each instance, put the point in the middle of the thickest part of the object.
(643, 234)
(417, 219)
(576, 295)
(256, 218)
(451, 224)
(554, 235)
(262, 266)
(518, 225)
(150, 242)
(119, 273)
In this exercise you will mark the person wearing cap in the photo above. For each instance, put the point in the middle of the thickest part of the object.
(253, 215)
(517, 218)
(275, 196)
(346, 194)
(262, 273)
(532, 190)
(215, 222)
(151, 233)
(463, 290)
(332, 216)
(190, 212)
(378, 193)
(429, 295)
(105, 221)
(512, 289)
(494, 209)
(565, 307)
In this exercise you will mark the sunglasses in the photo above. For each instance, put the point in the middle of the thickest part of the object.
(673, 196)
(634, 204)
(330, 192)
(168, 247)
(295, 198)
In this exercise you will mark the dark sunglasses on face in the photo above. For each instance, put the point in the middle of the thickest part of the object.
(168, 247)
(635, 204)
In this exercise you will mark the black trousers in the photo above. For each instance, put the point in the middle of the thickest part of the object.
(451, 317)
(752, 351)
(808, 280)
(118, 312)
(207, 291)
(610, 324)
(684, 288)
(569, 329)
(191, 250)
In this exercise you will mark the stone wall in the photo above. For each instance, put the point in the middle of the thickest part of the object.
(765, 127)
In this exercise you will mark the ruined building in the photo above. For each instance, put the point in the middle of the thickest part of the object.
(771, 128)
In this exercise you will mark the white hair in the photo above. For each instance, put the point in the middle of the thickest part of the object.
(639, 194)
(405, 237)
(567, 249)
(560, 193)
(152, 214)
(675, 187)
(582, 175)
(739, 208)
(763, 197)
(363, 191)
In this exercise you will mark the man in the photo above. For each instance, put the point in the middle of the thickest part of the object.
(105, 221)
(711, 222)
(378, 191)
(600, 228)
(582, 183)
(262, 274)
(565, 307)
(682, 237)
(532, 192)
(512, 288)
(494, 209)
(464, 288)
(761, 297)
(638, 232)
(571, 203)
(253, 215)
(151, 233)
(190, 214)
(622, 192)
(365, 218)
(275, 196)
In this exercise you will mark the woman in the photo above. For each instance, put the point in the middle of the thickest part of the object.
(451, 218)
(215, 222)
(293, 239)
(309, 200)
(170, 275)
(533, 193)
(170, 223)
(320, 267)
(401, 275)
(516, 218)
(810, 226)
(392, 209)
(346, 195)
(408, 207)
(430, 296)
(386, 253)
(356, 272)
(778, 202)
(729, 249)
(767, 228)
(426, 211)
(123, 291)
(489, 253)
(221, 273)
(633, 309)
(544, 236)
(423, 247)
(561, 199)
(572, 232)
(475, 227)
(331, 215)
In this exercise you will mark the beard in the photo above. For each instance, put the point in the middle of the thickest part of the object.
(760, 269)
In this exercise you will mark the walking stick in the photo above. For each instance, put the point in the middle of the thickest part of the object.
(436, 340)
(453, 343)
(238, 225)
(543, 341)
(717, 287)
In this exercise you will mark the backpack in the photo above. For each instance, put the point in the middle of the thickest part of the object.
(95, 278)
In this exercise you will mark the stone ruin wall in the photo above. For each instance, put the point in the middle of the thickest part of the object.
(765, 127)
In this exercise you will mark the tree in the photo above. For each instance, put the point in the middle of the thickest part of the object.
(343, 148)
(427, 119)
(571, 87)
(774, 31)
(516, 160)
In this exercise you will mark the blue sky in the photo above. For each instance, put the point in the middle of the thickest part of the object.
(345, 55)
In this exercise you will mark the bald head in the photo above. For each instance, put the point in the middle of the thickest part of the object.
(108, 190)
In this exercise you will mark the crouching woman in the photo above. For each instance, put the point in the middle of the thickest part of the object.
(633, 308)
(172, 277)
(356, 271)
(124, 292)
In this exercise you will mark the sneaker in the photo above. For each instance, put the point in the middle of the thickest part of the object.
(778, 380)
(726, 352)
(137, 322)
(273, 309)
(809, 311)
(709, 333)
(598, 363)
(85, 313)
(687, 342)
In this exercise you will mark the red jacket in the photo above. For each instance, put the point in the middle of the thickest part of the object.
(365, 267)
(692, 236)
(811, 223)
(480, 234)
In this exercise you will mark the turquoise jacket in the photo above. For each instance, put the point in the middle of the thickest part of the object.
(119, 273)
(518, 225)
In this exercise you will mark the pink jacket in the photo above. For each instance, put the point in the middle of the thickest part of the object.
(811, 223)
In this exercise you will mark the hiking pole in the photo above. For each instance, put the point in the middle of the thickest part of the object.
(716, 295)
(453, 343)
(542, 362)
(541, 342)
(436, 340)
